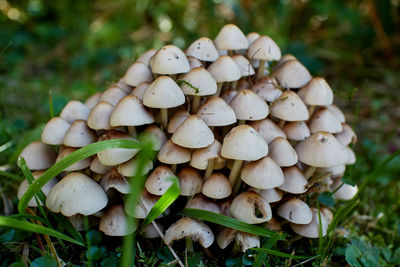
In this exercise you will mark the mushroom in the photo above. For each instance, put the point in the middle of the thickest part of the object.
(216, 112)
(282, 152)
(251, 208)
(203, 49)
(295, 211)
(249, 106)
(99, 116)
(173, 154)
(79, 135)
(138, 73)
(113, 179)
(311, 230)
(80, 165)
(201, 202)
(267, 89)
(169, 60)
(316, 92)
(38, 156)
(139, 90)
(262, 174)
(149, 231)
(245, 240)
(23, 187)
(208, 158)
(325, 121)
(113, 95)
(224, 70)
(159, 180)
(217, 186)
(54, 131)
(190, 181)
(146, 56)
(267, 129)
(231, 38)
(129, 168)
(292, 74)
(74, 110)
(289, 107)
(294, 181)
(114, 222)
(93, 100)
(193, 133)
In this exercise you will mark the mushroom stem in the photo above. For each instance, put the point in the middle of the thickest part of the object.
(309, 172)
(132, 131)
(311, 110)
(219, 88)
(234, 85)
(261, 69)
(231, 52)
(189, 244)
(173, 168)
(237, 164)
(281, 123)
(164, 118)
(240, 122)
(195, 103)
(210, 168)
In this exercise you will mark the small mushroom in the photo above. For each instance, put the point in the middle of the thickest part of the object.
(311, 230)
(114, 222)
(251, 208)
(38, 156)
(295, 211)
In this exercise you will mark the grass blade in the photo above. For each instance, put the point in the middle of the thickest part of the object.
(31, 227)
(72, 158)
(281, 254)
(231, 223)
(11, 176)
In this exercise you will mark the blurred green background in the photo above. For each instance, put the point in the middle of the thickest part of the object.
(76, 48)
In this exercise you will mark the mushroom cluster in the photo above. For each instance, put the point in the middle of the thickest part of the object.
(249, 133)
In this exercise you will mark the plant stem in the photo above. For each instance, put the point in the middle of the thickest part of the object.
(164, 118)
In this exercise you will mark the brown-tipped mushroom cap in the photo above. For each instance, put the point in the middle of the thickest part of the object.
(289, 107)
(130, 112)
(271, 195)
(65, 151)
(74, 110)
(114, 222)
(217, 186)
(245, 206)
(264, 48)
(199, 82)
(159, 180)
(292, 74)
(79, 135)
(347, 136)
(38, 156)
(316, 92)
(76, 193)
(295, 211)
(176, 120)
(201, 156)
(311, 230)
(294, 181)
(249, 106)
(163, 93)
(23, 187)
(54, 131)
(171, 153)
(296, 130)
(230, 37)
(216, 112)
(203, 49)
(193, 133)
(262, 174)
(282, 152)
(225, 70)
(267, 129)
(325, 121)
(138, 73)
(130, 167)
(99, 117)
(113, 95)
(190, 181)
(113, 179)
(169, 60)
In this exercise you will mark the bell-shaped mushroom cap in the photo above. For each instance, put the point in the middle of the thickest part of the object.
(345, 192)
(199, 81)
(130, 112)
(159, 180)
(230, 37)
(113, 179)
(324, 121)
(295, 211)
(193, 133)
(264, 48)
(54, 131)
(262, 174)
(282, 152)
(200, 157)
(79, 135)
(93, 100)
(292, 74)
(139, 90)
(146, 56)
(267, 89)
(202, 203)
(138, 73)
(115, 156)
(163, 93)
(149, 231)
(23, 187)
(249, 106)
(244, 143)
(316, 92)
(251, 37)
(114, 222)
(246, 206)
(176, 120)
(217, 186)
(229, 94)
(158, 136)
(169, 60)
(285, 58)
(188, 227)
(296, 130)
(97, 167)
(74, 110)
(294, 181)
(171, 153)
(225, 237)
(82, 164)
(289, 107)
(76, 193)
(99, 117)
(351, 156)
(246, 69)
(38, 156)
(347, 136)
(311, 230)
(216, 112)
(203, 49)
(190, 181)
(321, 150)
(225, 70)
(113, 95)
(327, 214)
(338, 113)
(267, 129)
(130, 167)
(271, 195)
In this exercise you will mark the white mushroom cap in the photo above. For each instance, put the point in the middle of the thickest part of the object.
(249, 106)
(79, 135)
(292, 74)
(321, 150)
(121, 84)
(295, 211)
(294, 181)
(251, 37)
(346, 191)
(351, 156)
(188, 227)
(282, 152)
(266, 89)
(225, 237)
(159, 180)
(146, 56)
(158, 135)
(93, 100)
(346, 136)
(130, 112)
(114, 222)
(217, 186)
(230, 37)
(23, 187)
(262, 174)
(194, 63)
(244, 208)
(246, 69)
(200, 79)
(76, 193)
(224, 70)
(149, 231)
(176, 120)
(203, 49)
(316, 92)
(193, 133)
(201, 156)
(271, 195)
(289, 107)
(338, 113)
(38, 156)
(115, 156)
(139, 90)
(325, 121)
(138, 73)
(99, 117)
(190, 181)
(74, 110)
(311, 230)
(216, 112)
(296, 130)
(203, 203)
(130, 167)
(267, 129)
(170, 153)
(169, 60)
(163, 93)
(82, 164)
(285, 58)
(54, 131)
(264, 48)
(113, 179)
(113, 95)
(145, 204)
(97, 167)
(244, 143)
